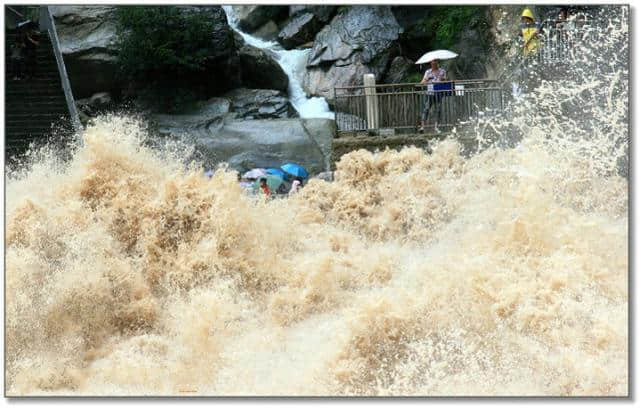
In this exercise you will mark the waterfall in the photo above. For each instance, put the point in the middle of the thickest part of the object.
(293, 62)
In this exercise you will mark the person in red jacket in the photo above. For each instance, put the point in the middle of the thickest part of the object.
(265, 187)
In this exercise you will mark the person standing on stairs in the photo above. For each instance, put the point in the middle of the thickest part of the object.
(17, 59)
(31, 46)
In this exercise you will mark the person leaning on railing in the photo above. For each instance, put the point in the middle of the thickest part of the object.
(433, 74)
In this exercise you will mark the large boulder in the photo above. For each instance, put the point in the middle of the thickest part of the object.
(88, 41)
(208, 114)
(261, 70)
(87, 37)
(268, 31)
(250, 18)
(300, 29)
(362, 39)
(259, 104)
(322, 13)
(254, 143)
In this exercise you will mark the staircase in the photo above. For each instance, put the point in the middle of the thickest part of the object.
(33, 107)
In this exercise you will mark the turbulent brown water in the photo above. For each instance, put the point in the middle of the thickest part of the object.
(504, 273)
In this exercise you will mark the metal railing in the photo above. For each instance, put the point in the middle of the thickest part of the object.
(561, 41)
(46, 21)
(399, 106)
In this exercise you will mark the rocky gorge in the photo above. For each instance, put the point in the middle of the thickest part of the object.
(245, 92)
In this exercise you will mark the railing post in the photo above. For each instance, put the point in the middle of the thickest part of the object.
(371, 100)
(47, 18)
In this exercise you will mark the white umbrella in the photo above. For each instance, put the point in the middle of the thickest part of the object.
(437, 54)
(254, 174)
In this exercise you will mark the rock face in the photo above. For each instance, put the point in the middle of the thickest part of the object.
(473, 42)
(473, 52)
(222, 71)
(250, 18)
(300, 29)
(414, 40)
(358, 41)
(400, 68)
(259, 104)
(268, 31)
(88, 43)
(253, 143)
(303, 25)
(322, 13)
(260, 70)
(88, 38)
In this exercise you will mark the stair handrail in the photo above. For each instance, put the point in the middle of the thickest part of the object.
(14, 11)
(47, 18)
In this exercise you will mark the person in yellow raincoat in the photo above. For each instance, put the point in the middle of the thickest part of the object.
(530, 32)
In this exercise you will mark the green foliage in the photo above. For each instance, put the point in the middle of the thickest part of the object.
(445, 23)
(160, 48)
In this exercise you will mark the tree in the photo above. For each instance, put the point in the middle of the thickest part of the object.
(163, 50)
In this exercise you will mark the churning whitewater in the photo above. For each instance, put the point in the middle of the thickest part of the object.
(413, 273)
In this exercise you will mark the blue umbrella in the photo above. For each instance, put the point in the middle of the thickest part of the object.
(277, 172)
(295, 170)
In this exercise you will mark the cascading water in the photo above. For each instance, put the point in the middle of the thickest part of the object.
(293, 62)
(501, 274)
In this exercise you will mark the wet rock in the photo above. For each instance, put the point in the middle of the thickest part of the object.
(300, 29)
(248, 144)
(325, 175)
(259, 104)
(268, 31)
(260, 70)
(322, 81)
(88, 41)
(100, 100)
(360, 40)
(399, 70)
(87, 38)
(250, 18)
(322, 13)
(93, 106)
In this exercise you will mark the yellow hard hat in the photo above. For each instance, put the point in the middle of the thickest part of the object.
(527, 13)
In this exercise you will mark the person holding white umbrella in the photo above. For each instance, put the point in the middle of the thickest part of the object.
(433, 74)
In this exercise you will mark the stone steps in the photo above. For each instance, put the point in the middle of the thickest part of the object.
(33, 107)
